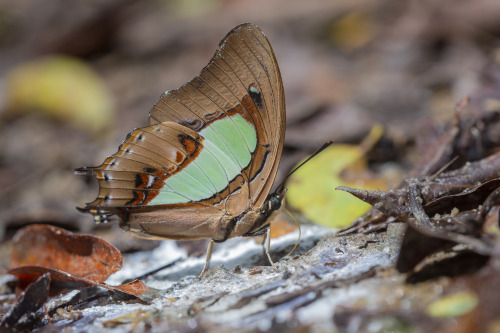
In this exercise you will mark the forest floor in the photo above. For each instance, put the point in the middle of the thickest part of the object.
(425, 258)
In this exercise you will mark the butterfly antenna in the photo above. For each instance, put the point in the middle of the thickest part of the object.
(300, 231)
(323, 147)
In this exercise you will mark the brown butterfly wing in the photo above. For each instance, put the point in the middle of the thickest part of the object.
(244, 77)
(135, 174)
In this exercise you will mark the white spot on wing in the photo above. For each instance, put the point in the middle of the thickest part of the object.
(151, 180)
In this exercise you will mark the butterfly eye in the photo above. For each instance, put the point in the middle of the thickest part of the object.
(275, 203)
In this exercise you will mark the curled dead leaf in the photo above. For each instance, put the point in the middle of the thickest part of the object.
(82, 256)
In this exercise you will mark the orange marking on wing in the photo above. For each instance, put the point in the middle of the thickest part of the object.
(179, 157)
(188, 143)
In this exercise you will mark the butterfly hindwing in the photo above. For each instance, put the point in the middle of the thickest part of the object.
(163, 164)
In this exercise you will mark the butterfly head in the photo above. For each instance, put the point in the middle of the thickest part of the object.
(274, 202)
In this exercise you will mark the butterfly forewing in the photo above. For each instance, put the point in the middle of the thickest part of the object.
(214, 143)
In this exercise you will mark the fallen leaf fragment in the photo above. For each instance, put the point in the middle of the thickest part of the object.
(353, 30)
(281, 227)
(82, 256)
(311, 189)
(22, 313)
(30, 273)
(83, 259)
(135, 288)
(63, 88)
(491, 226)
(453, 305)
(131, 318)
(26, 274)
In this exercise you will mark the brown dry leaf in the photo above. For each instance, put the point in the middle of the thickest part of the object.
(281, 227)
(23, 313)
(135, 288)
(26, 274)
(82, 256)
(66, 256)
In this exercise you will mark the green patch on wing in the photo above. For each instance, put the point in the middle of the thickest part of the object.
(227, 147)
(234, 136)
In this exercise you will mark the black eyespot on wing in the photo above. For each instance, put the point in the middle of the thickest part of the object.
(138, 180)
(255, 95)
(149, 170)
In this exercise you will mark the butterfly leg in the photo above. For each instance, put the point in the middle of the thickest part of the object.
(268, 245)
(207, 258)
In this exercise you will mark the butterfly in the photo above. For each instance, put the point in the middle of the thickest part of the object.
(205, 165)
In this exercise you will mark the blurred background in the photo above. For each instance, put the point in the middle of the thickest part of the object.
(77, 76)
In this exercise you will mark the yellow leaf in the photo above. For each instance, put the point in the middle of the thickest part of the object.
(311, 189)
(60, 87)
(193, 8)
(353, 30)
(453, 305)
